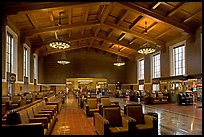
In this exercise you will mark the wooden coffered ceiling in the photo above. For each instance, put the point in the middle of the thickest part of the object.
(115, 27)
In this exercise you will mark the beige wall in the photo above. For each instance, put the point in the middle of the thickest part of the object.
(60, 88)
(85, 64)
(4, 88)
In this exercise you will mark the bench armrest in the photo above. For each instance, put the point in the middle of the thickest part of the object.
(101, 124)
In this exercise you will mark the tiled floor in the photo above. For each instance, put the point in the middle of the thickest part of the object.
(173, 119)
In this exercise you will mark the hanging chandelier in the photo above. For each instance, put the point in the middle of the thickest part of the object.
(146, 49)
(63, 59)
(59, 44)
(119, 62)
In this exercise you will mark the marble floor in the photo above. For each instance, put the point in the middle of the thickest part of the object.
(173, 119)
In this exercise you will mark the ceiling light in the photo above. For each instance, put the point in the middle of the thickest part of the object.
(59, 44)
(119, 62)
(146, 49)
(63, 59)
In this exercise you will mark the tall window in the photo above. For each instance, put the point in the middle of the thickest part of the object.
(35, 66)
(35, 73)
(11, 56)
(25, 62)
(141, 69)
(9, 52)
(141, 87)
(201, 50)
(179, 60)
(155, 87)
(156, 66)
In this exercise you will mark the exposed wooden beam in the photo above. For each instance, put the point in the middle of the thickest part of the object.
(70, 39)
(79, 42)
(111, 45)
(97, 31)
(136, 34)
(132, 41)
(103, 43)
(92, 41)
(111, 51)
(110, 33)
(175, 9)
(192, 15)
(69, 13)
(10, 9)
(51, 17)
(154, 5)
(121, 49)
(86, 14)
(171, 6)
(151, 26)
(70, 33)
(30, 21)
(156, 16)
(106, 12)
(122, 15)
(54, 28)
(115, 41)
(29, 18)
(121, 36)
(40, 38)
(135, 21)
(52, 51)
(162, 34)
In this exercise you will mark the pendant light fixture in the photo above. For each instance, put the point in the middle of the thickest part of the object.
(63, 59)
(146, 48)
(59, 43)
(119, 62)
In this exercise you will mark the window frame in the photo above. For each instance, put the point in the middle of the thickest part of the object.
(153, 65)
(172, 58)
(139, 69)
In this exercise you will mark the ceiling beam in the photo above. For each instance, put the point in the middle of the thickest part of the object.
(52, 51)
(162, 34)
(135, 21)
(120, 43)
(92, 41)
(175, 9)
(51, 17)
(86, 14)
(154, 5)
(111, 45)
(97, 31)
(70, 39)
(111, 51)
(106, 12)
(121, 49)
(30, 21)
(192, 15)
(132, 41)
(54, 28)
(122, 15)
(136, 34)
(156, 16)
(9, 9)
(121, 36)
(69, 14)
(151, 27)
(110, 33)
